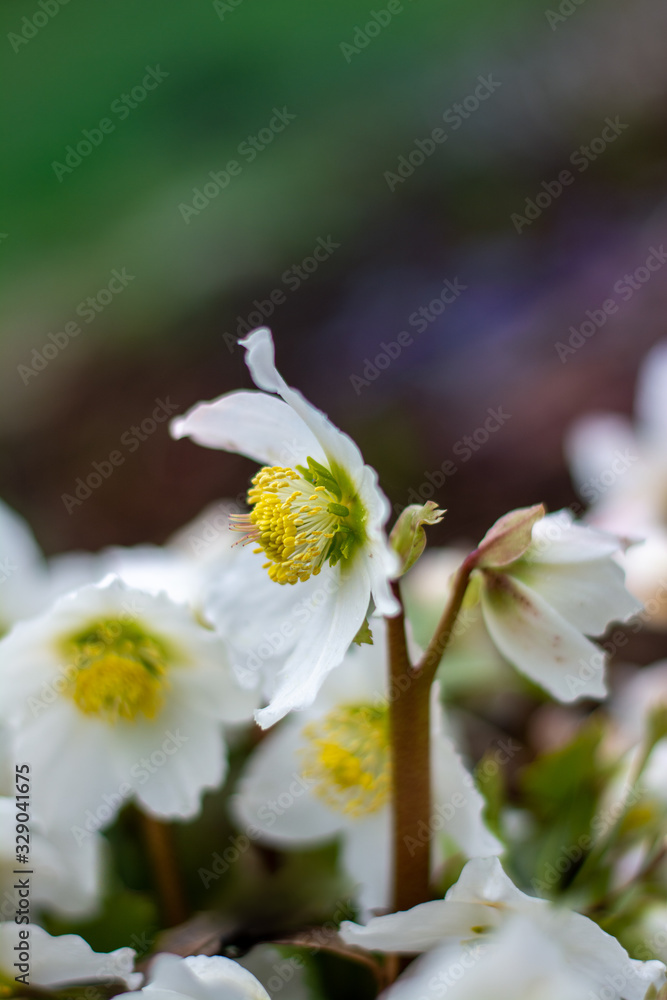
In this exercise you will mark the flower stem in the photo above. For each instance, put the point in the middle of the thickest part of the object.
(411, 768)
(410, 724)
(158, 837)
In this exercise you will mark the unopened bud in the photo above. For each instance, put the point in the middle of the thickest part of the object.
(509, 538)
(408, 537)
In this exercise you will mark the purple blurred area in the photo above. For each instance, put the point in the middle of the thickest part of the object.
(502, 344)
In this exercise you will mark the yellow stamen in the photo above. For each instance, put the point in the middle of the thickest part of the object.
(117, 671)
(295, 527)
(348, 759)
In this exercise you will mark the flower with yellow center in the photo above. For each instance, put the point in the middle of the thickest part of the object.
(316, 521)
(327, 773)
(300, 519)
(118, 671)
(347, 757)
(117, 695)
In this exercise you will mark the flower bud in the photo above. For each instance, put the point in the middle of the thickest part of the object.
(408, 537)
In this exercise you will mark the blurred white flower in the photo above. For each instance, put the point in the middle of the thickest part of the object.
(116, 694)
(316, 509)
(69, 875)
(620, 469)
(199, 978)
(481, 904)
(520, 963)
(24, 581)
(540, 607)
(55, 962)
(633, 703)
(327, 772)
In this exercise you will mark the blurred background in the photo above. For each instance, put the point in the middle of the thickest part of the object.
(176, 172)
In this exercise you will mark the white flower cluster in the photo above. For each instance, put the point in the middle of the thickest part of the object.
(124, 675)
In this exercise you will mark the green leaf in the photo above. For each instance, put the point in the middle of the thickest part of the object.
(364, 636)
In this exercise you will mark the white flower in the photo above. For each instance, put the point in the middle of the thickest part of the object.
(621, 470)
(199, 978)
(54, 962)
(69, 876)
(540, 607)
(23, 570)
(521, 963)
(116, 694)
(326, 772)
(481, 903)
(317, 509)
(632, 705)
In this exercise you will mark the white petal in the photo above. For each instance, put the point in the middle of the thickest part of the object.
(541, 643)
(651, 394)
(253, 424)
(199, 977)
(593, 445)
(423, 927)
(338, 447)
(366, 857)
(589, 596)
(67, 959)
(481, 898)
(520, 964)
(557, 539)
(457, 804)
(484, 880)
(171, 762)
(598, 955)
(275, 799)
(322, 643)
(62, 743)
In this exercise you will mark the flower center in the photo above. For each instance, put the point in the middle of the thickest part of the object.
(347, 757)
(300, 519)
(119, 671)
